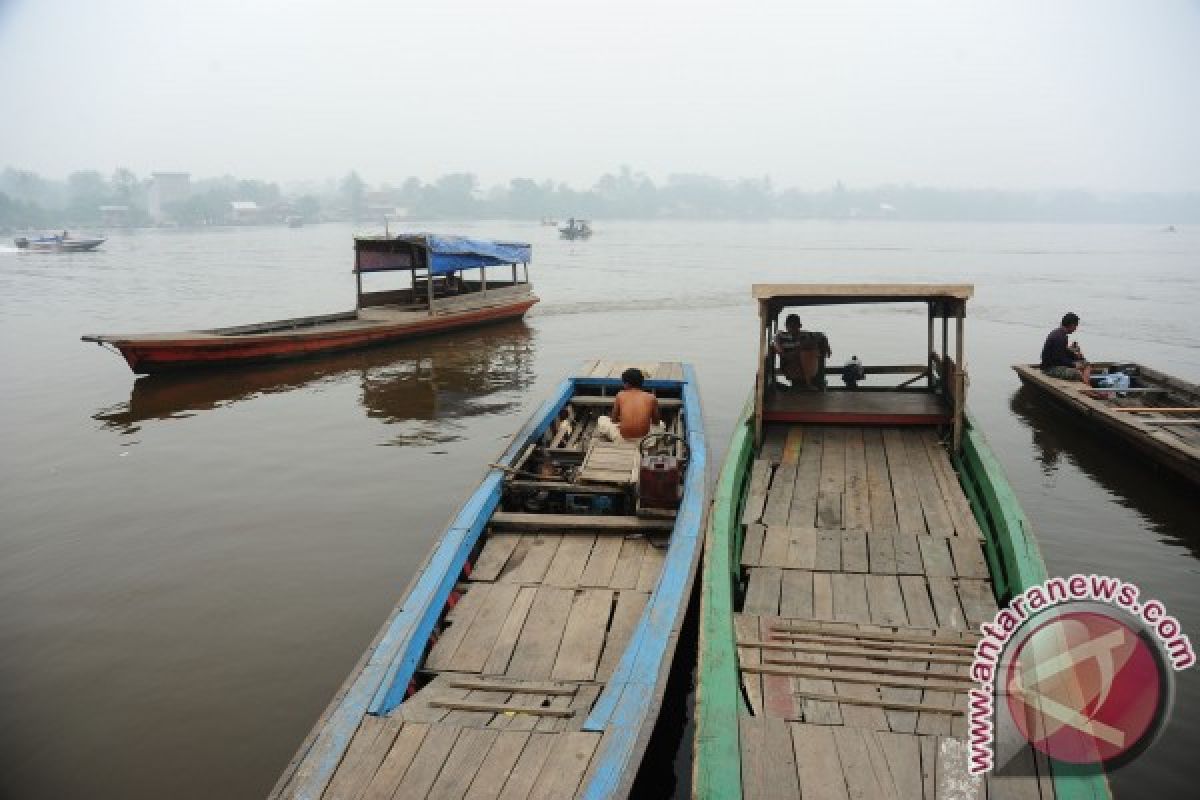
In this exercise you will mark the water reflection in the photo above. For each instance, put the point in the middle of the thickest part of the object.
(426, 380)
(1059, 438)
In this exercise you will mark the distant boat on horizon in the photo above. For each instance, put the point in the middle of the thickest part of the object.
(63, 243)
(576, 229)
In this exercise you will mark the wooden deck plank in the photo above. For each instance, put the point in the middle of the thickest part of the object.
(463, 762)
(762, 591)
(803, 510)
(882, 767)
(495, 554)
(583, 637)
(822, 775)
(773, 438)
(780, 760)
(569, 560)
(822, 596)
(528, 767)
(428, 762)
(563, 770)
(854, 552)
(408, 741)
(752, 546)
(497, 764)
(933, 505)
(908, 555)
(459, 621)
(935, 555)
(909, 518)
(796, 594)
(828, 556)
(879, 484)
(779, 498)
(775, 546)
(856, 504)
(881, 552)
(957, 505)
(977, 602)
(537, 647)
(752, 739)
(967, 553)
(917, 604)
(756, 492)
(472, 654)
(602, 562)
(629, 564)
(506, 639)
(886, 599)
(651, 570)
(902, 753)
(802, 548)
(859, 772)
(628, 611)
(833, 479)
(849, 597)
(530, 559)
(371, 742)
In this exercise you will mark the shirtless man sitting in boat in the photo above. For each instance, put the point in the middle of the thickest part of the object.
(1060, 360)
(801, 354)
(634, 411)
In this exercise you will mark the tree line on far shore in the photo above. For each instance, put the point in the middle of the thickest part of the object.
(28, 200)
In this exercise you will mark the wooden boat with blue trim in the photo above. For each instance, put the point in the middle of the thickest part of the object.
(856, 542)
(529, 655)
(438, 299)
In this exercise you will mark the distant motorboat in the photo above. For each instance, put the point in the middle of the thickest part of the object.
(550, 222)
(576, 229)
(63, 242)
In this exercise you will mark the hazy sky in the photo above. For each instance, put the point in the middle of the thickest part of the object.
(1098, 94)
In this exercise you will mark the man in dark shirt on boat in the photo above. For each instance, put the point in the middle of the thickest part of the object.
(634, 411)
(1063, 360)
(801, 354)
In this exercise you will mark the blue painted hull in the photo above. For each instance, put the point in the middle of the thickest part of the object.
(625, 710)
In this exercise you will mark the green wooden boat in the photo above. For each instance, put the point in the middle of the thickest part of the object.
(846, 524)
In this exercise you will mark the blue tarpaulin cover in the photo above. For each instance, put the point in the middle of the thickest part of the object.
(452, 253)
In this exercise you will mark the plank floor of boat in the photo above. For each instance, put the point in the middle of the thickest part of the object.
(865, 581)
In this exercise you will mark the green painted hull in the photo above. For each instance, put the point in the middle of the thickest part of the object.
(1013, 557)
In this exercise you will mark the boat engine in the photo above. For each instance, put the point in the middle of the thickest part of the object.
(660, 474)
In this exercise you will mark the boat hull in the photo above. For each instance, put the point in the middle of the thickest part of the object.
(1156, 445)
(146, 355)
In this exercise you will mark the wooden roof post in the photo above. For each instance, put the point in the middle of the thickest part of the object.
(357, 281)
(929, 347)
(429, 283)
(960, 375)
(760, 381)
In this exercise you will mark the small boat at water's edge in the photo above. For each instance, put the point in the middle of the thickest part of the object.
(439, 299)
(849, 527)
(1157, 413)
(529, 655)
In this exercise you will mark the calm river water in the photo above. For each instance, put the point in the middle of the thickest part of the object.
(189, 567)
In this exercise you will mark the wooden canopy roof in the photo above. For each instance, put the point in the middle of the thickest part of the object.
(946, 298)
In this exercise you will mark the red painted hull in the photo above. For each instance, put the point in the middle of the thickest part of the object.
(169, 355)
